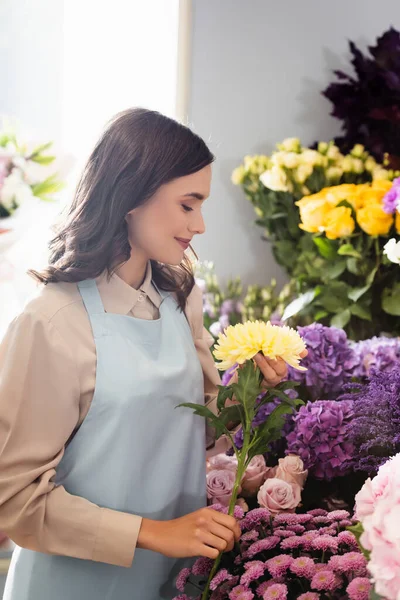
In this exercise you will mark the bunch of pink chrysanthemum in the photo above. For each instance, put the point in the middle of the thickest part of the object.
(289, 556)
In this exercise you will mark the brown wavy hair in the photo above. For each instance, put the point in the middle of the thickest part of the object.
(139, 151)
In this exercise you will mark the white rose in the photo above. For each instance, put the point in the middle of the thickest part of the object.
(333, 153)
(275, 179)
(322, 147)
(291, 160)
(392, 251)
(347, 164)
(310, 157)
(303, 172)
(380, 173)
(278, 159)
(358, 165)
(370, 163)
(290, 144)
(358, 150)
(334, 173)
(14, 190)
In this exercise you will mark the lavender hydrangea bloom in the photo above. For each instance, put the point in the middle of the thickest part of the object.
(330, 362)
(379, 353)
(375, 428)
(391, 199)
(320, 437)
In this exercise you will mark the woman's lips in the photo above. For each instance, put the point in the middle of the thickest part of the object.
(184, 243)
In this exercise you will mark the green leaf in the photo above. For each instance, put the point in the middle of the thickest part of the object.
(334, 297)
(224, 392)
(51, 185)
(232, 414)
(356, 293)
(348, 250)
(248, 386)
(320, 314)
(326, 248)
(341, 319)
(371, 276)
(270, 430)
(299, 304)
(391, 300)
(43, 160)
(203, 411)
(334, 270)
(40, 149)
(361, 312)
(354, 265)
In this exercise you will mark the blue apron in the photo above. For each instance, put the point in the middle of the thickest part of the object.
(134, 452)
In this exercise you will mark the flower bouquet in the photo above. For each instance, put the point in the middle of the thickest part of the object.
(238, 345)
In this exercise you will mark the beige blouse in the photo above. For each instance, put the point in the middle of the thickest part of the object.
(47, 380)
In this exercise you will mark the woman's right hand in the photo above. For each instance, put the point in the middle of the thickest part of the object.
(205, 532)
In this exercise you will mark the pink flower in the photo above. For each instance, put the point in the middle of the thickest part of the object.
(250, 536)
(348, 538)
(220, 485)
(291, 469)
(241, 503)
(237, 510)
(338, 515)
(365, 500)
(278, 591)
(265, 585)
(279, 496)
(202, 566)
(261, 546)
(291, 543)
(220, 577)
(325, 542)
(359, 588)
(240, 592)
(303, 567)
(309, 596)
(324, 580)
(222, 462)
(348, 563)
(255, 475)
(253, 573)
(181, 580)
(278, 565)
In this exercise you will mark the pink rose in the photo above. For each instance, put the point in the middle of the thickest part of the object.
(222, 462)
(365, 500)
(291, 469)
(255, 475)
(220, 485)
(279, 496)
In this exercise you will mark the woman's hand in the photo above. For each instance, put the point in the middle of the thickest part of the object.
(274, 371)
(204, 532)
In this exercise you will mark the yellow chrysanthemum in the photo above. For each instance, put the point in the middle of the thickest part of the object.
(242, 342)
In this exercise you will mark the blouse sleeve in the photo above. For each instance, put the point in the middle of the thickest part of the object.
(203, 340)
(39, 411)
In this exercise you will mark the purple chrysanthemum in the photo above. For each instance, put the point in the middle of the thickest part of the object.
(374, 429)
(278, 565)
(324, 580)
(257, 516)
(359, 588)
(309, 596)
(303, 567)
(262, 545)
(352, 562)
(220, 577)
(291, 543)
(202, 566)
(253, 573)
(391, 200)
(182, 578)
(348, 538)
(240, 592)
(330, 361)
(325, 542)
(379, 353)
(320, 437)
(250, 536)
(338, 515)
(278, 591)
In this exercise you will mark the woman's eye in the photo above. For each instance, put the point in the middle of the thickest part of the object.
(186, 208)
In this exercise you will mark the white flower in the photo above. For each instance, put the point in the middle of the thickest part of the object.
(290, 144)
(275, 179)
(291, 160)
(358, 150)
(311, 157)
(14, 190)
(380, 173)
(370, 163)
(334, 153)
(392, 250)
(358, 165)
(334, 173)
(303, 172)
(347, 164)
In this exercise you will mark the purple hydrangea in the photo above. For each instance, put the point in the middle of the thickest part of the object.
(379, 353)
(330, 362)
(320, 437)
(374, 430)
(391, 199)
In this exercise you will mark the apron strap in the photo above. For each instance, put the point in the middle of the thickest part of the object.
(91, 297)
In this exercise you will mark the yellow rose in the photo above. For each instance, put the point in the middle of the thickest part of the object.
(303, 172)
(313, 213)
(275, 179)
(238, 175)
(337, 193)
(290, 145)
(397, 222)
(339, 223)
(373, 220)
(382, 185)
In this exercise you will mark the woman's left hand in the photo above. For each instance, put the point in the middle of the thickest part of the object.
(274, 371)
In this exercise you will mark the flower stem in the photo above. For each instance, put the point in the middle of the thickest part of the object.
(232, 503)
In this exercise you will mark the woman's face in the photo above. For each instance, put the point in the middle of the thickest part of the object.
(165, 225)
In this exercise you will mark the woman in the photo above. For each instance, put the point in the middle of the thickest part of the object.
(102, 479)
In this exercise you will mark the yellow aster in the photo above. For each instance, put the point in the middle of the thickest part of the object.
(242, 342)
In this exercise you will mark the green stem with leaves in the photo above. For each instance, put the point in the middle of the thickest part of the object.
(242, 465)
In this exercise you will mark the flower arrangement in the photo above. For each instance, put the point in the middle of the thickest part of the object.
(274, 183)
(377, 509)
(353, 284)
(309, 556)
(20, 177)
(368, 117)
(239, 345)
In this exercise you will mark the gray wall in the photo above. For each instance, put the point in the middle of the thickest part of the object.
(257, 71)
